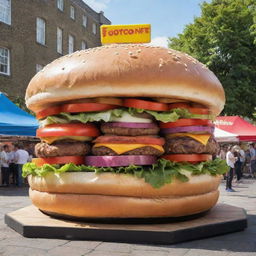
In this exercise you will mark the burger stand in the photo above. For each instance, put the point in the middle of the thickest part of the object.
(232, 130)
(30, 222)
(16, 125)
(240, 128)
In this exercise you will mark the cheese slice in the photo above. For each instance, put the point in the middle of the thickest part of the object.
(50, 140)
(202, 138)
(122, 148)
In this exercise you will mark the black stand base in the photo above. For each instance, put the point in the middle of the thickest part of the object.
(30, 222)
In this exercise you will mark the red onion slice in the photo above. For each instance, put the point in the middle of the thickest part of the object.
(115, 161)
(130, 125)
(193, 129)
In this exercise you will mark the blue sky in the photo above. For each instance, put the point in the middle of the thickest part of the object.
(167, 17)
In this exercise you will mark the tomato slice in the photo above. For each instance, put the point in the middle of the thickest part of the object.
(187, 122)
(48, 112)
(130, 140)
(72, 129)
(59, 160)
(145, 104)
(191, 158)
(179, 105)
(86, 107)
(198, 111)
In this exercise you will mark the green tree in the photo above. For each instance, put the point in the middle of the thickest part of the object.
(224, 38)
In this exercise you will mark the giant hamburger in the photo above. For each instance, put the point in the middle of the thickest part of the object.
(126, 132)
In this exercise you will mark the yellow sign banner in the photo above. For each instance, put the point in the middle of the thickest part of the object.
(139, 33)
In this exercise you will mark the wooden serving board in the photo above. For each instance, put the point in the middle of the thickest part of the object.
(223, 218)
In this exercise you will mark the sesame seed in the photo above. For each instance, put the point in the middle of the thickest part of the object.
(176, 58)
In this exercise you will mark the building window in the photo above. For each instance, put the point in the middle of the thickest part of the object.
(39, 67)
(84, 21)
(72, 12)
(60, 5)
(94, 28)
(71, 44)
(5, 11)
(4, 61)
(40, 31)
(59, 40)
(83, 45)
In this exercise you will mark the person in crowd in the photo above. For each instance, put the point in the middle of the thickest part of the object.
(247, 163)
(30, 149)
(230, 160)
(242, 158)
(222, 155)
(253, 160)
(5, 166)
(238, 164)
(12, 165)
(21, 157)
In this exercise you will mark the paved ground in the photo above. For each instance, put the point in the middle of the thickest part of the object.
(234, 244)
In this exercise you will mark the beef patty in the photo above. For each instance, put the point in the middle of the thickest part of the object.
(105, 151)
(105, 128)
(187, 145)
(61, 149)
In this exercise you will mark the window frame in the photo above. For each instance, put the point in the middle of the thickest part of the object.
(38, 30)
(60, 5)
(39, 67)
(69, 37)
(72, 13)
(84, 21)
(8, 13)
(59, 43)
(85, 43)
(94, 28)
(8, 72)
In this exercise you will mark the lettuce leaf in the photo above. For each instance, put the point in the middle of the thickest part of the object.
(85, 117)
(171, 115)
(107, 116)
(157, 175)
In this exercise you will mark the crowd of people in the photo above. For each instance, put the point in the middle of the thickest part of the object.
(241, 159)
(12, 158)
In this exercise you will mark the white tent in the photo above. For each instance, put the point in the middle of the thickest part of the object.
(223, 136)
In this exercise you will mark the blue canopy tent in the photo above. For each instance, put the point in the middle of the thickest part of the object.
(15, 121)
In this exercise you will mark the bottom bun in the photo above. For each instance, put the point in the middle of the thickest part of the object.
(102, 206)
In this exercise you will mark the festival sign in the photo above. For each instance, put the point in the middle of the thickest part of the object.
(139, 33)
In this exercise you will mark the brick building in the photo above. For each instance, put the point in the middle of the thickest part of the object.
(35, 32)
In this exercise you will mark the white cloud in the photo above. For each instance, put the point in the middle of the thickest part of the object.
(160, 41)
(97, 5)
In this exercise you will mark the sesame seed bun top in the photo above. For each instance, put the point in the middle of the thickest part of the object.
(123, 70)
